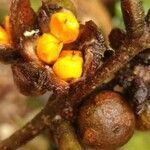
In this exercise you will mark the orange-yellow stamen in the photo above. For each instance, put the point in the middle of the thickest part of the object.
(4, 37)
(48, 48)
(64, 26)
(69, 65)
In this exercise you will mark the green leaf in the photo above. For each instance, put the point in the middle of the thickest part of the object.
(140, 141)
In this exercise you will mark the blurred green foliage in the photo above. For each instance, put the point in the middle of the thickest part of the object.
(3, 13)
(35, 4)
(4, 9)
(118, 19)
(140, 141)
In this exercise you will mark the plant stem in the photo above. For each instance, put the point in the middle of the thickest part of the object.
(133, 14)
(22, 136)
(8, 55)
(66, 137)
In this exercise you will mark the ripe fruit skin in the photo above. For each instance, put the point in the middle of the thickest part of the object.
(106, 122)
(4, 38)
(64, 26)
(48, 48)
(69, 65)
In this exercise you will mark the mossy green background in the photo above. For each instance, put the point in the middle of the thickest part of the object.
(140, 141)
(118, 20)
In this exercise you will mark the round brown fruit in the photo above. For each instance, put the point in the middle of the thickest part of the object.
(106, 121)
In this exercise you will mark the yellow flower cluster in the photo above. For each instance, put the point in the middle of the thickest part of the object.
(64, 29)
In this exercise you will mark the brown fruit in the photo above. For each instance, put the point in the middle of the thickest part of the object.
(106, 121)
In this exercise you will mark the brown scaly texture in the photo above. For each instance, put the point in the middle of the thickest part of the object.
(135, 80)
(29, 73)
(22, 21)
(106, 121)
(136, 87)
(8, 55)
(132, 12)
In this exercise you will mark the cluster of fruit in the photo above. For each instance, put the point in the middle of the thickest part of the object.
(64, 28)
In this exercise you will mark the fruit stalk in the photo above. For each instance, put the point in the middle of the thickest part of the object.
(133, 14)
(66, 137)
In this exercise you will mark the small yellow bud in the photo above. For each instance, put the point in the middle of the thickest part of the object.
(64, 26)
(69, 65)
(48, 48)
(4, 37)
(7, 24)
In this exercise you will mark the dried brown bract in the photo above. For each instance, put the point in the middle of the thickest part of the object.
(31, 75)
